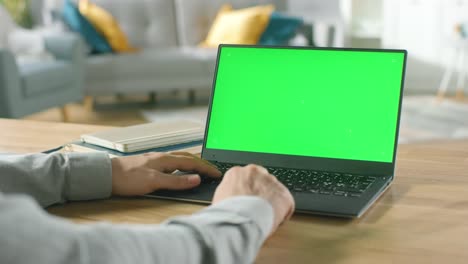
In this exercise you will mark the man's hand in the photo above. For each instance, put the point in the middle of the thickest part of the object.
(255, 180)
(142, 174)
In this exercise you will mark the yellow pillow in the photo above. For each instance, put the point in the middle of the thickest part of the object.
(242, 26)
(106, 24)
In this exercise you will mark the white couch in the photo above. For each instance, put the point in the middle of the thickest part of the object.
(168, 32)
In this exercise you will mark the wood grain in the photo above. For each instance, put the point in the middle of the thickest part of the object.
(21, 136)
(422, 218)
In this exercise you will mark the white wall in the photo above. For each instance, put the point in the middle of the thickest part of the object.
(426, 29)
(364, 23)
(358, 21)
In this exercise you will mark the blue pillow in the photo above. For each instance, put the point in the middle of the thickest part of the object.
(78, 23)
(280, 29)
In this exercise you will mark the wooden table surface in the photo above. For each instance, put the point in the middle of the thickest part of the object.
(422, 218)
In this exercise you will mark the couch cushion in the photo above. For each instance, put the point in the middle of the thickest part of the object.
(241, 26)
(194, 18)
(158, 64)
(147, 23)
(105, 24)
(80, 24)
(43, 77)
(280, 29)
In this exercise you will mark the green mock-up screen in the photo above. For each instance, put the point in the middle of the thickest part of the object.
(320, 103)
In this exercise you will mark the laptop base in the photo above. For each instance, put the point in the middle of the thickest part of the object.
(317, 204)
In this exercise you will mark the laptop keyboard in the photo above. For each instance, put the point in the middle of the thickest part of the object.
(316, 182)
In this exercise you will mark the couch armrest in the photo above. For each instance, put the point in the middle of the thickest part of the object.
(66, 46)
(10, 90)
(69, 47)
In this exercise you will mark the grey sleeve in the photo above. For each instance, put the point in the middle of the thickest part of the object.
(229, 232)
(57, 178)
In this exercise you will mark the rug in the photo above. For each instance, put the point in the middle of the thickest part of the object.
(422, 119)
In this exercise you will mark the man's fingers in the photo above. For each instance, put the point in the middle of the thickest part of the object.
(258, 168)
(189, 164)
(176, 182)
(292, 205)
(188, 154)
(183, 153)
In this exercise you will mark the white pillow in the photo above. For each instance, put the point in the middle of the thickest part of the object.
(7, 25)
(25, 43)
(29, 45)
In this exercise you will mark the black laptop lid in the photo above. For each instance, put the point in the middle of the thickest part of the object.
(315, 108)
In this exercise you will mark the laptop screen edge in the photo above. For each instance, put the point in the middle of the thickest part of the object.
(304, 162)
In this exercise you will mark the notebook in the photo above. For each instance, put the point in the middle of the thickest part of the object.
(324, 121)
(147, 136)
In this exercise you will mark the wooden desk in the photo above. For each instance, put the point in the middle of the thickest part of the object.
(422, 218)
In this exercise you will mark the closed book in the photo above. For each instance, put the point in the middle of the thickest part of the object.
(146, 136)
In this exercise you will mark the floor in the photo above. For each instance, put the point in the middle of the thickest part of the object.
(423, 117)
(122, 110)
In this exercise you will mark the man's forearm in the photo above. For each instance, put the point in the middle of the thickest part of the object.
(229, 232)
(56, 178)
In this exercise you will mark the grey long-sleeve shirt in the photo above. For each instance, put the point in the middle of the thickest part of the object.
(229, 232)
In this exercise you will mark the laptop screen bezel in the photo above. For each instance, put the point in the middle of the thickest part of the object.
(303, 162)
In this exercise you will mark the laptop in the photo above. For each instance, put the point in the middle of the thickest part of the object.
(324, 121)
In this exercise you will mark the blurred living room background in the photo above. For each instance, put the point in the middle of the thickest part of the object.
(121, 62)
